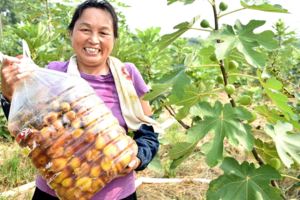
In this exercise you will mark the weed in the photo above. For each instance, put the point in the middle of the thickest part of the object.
(15, 170)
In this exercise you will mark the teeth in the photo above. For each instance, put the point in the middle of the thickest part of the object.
(92, 50)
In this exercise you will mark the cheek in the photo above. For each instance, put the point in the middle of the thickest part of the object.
(75, 41)
(109, 45)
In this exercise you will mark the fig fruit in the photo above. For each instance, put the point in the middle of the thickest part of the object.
(204, 23)
(229, 89)
(223, 6)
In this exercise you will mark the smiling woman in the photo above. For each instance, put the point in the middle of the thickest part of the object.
(92, 40)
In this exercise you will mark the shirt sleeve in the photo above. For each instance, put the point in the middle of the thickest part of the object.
(148, 145)
(5, 105)
(137, 79)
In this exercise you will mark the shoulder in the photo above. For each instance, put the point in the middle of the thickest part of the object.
(58, 66)
(132, 69)
(137, 79)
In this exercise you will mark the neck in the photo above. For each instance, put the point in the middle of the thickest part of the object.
(102, 69)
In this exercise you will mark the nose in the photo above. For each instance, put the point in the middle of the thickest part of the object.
(95, 38)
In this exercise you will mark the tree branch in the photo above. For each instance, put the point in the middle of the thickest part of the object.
(171, 111)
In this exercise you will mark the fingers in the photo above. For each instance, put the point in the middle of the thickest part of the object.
(134, 163)
(131, 166)
(11, 74)
(8, 60)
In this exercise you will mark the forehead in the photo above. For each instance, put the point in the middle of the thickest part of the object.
(95, 17)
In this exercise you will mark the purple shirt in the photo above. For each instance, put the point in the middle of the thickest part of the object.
(105, 88)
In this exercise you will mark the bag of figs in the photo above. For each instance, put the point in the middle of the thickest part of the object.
(75, 142)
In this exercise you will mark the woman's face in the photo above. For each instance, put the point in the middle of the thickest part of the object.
(93, 37)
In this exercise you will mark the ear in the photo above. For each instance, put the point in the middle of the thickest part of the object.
(70, 33)
(115, 41)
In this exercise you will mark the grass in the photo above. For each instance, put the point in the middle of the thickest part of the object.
(15, 168)
(25, 196)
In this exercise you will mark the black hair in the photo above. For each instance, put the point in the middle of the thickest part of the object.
(101, 4)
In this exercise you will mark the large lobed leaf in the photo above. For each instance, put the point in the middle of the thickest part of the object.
(287, 144)
(244, 182)
(245, 41)
(223, 121)
(167, 39)
(184, 1)
(266, 7)
(273, 88)
(267, 151)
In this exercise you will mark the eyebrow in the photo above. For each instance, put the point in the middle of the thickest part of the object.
(88, 25)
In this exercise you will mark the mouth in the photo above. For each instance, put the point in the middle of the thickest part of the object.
(91, 51)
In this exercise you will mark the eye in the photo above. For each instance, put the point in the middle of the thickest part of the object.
(85, 30)
(104, 33)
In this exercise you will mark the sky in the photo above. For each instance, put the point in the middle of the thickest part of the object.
(143, 14)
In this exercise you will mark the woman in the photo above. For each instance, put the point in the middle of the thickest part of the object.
(93, 31)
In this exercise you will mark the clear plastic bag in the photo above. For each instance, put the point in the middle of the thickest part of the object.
(76, 143)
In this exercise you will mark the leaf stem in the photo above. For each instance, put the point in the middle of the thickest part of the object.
(256, 156)
(245, 75)
(228, 13)
(200, 29)
(211, 2)
(48, 15)
(207, 65)
(171, 111)
(290, 177)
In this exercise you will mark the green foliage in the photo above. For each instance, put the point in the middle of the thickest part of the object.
(267, 151)
(16, 169)
(3, 127)
(245, 41)
(262, 68)
(287, 144)
(167, 39)
(13, 10)
(224, 121)
(283, 63)
(264, 7)
(244, 182)
(273, 89)
(184, 1)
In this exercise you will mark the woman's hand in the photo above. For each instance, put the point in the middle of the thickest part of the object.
(11, 73)
(131, 166)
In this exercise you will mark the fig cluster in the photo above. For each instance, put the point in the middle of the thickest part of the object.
(76, 143)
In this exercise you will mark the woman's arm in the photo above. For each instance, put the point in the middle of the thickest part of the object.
(146, 107)
(145, 137)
